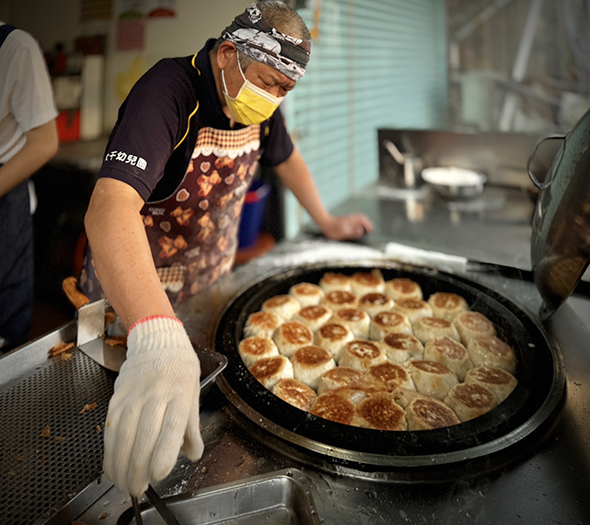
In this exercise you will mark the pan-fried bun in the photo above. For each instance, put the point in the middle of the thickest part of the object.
(331, 281)
(367, 282)
(400, 347)
(447, 305)
(492, 351)
(291, 336)
(389, 322)
(451, 352)
(427, 328)
(381, 412)
(310, 363)
(307, 294)
(314, 316)
(473, 324)
(389, 376)
(333, 337)
(432, 378)
(413, 308)
(341, 377)
(469, 400)
(403, 288)
(295, 393)
(375, 302)
(334, 407)
(271, 369)
(354, 318)
(497, 380)
(285, 306)
(254, 348)
(261, 324)
(362, 354)
(428, 413)
(340, 299)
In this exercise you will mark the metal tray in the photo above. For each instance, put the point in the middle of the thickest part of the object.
(282, 497)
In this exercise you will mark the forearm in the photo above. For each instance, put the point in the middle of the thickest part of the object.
(297, 178)
(121, 253)
(42, 143)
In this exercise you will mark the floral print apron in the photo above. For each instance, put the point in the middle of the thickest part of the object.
(193, 233)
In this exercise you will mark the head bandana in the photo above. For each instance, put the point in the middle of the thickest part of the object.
(256, 38)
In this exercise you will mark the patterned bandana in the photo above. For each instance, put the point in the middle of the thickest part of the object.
(256, 38)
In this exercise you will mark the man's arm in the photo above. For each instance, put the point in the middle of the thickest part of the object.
(296, 176)
(42, 143)
(121, 252)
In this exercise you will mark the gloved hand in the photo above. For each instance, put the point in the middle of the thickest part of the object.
(154, 407)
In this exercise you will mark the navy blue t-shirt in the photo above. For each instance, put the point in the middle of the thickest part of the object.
(151, 144)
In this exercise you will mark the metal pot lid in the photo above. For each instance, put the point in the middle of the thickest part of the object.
(560, 244)
(531, 406)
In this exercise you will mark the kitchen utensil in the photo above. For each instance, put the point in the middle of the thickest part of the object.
(91, 328)
(455, 183)
(409, 163)
(560, 243)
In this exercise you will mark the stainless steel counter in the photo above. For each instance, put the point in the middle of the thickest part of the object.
(547, 483)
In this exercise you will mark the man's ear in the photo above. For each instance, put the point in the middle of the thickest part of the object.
(225, 53)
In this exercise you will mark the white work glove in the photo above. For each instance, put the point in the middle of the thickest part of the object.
(155, 406)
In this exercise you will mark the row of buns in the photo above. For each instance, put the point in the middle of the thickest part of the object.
(368, 352)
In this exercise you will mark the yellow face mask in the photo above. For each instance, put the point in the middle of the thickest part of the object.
(252, 105)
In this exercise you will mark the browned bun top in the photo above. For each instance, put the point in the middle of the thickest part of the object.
(334, 407)
(295, 332)
(494, 345)
(403, 285)
(267, 367)
(344, 376)
(311, 356)
(450, 348)
(388, 319)
(447, 300)
(476, 322)
(400, 341)
(295, 392)
(306, 289)
(382, 413)
(277, 301)
(432, 367)
(389, 374)
(435, 322)
(340, 297)
(491, 375)
(374, 299)
(473, 395)
(352, 315)
(256, 345)
(434, 413)
(363, 349)
(367, 279)
(333, 332)
(263, 320)
(412, 304)
(312, 313)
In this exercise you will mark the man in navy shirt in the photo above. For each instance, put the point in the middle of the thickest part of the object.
(163, 218)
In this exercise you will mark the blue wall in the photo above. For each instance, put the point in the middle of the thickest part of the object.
(376, 63)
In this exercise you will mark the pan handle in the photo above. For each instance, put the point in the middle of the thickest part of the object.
(73, 293)
(534, 180)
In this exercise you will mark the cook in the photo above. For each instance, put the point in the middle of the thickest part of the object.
(163, 218)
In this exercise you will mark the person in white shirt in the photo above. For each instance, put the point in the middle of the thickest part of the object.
(28, 139)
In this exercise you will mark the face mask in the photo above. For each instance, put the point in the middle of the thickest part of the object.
(252, 105)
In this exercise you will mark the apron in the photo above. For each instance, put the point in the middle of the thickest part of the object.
(193, 233)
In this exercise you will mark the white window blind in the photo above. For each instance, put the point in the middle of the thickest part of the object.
(376, 63)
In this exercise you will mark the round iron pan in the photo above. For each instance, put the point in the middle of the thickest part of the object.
(535, 400)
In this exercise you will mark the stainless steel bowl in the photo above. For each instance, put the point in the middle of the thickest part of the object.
(455, 183)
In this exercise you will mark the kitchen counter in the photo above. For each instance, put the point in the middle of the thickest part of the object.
(546, 483)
